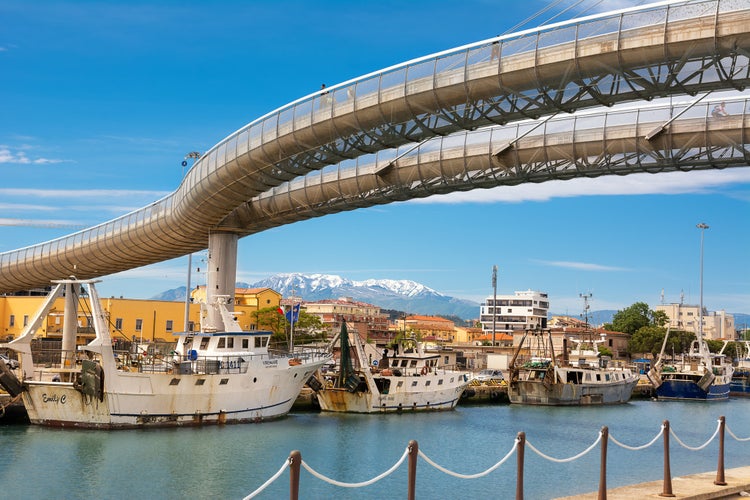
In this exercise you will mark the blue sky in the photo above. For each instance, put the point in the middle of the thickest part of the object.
(100, 102)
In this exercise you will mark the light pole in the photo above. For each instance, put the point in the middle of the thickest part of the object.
(494, 302)
(702, 227)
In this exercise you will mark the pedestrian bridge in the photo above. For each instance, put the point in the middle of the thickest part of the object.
(527, 107)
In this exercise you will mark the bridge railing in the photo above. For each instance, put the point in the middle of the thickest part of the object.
(295, 462)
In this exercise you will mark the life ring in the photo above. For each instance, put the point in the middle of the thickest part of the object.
(424, 370)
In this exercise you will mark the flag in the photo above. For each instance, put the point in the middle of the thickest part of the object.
(292, 315)
(280, 310)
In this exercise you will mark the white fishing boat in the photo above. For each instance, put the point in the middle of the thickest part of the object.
(543, 379)
(213, 377)
(407, 379)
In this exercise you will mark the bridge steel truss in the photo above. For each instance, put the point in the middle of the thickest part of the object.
(664, 49)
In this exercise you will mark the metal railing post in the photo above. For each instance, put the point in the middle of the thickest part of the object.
(720, 468)
(603, 465)
(295, 461)
(519, 461)
(413, 455)
(667, 488)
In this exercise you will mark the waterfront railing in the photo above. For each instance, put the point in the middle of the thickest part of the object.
(412, 452)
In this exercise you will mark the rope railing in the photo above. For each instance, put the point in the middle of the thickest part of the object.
(412, 452)
(360, 484)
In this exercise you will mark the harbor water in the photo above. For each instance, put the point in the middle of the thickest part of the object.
(232, 461)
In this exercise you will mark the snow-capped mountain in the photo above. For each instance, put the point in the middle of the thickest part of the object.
(401, 295)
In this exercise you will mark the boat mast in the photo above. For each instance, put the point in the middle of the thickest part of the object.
(701, 344)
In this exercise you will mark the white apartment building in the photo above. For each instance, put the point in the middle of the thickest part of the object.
(513, 313)
(716, 324)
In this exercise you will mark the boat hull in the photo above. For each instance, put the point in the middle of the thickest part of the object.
(569, 394)
(412, 395)
(688, 389)
(740, 384)
(136, 400)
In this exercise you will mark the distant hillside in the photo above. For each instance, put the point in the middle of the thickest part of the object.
(596, 318)
(403, 295)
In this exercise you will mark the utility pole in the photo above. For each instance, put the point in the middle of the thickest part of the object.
(494, 302)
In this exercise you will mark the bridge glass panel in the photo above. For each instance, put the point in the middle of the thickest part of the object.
(481, 54)
(519, 45)
(732, 5)
(366, 93)
(302, 115)
(285, 121)
(600, 27)
(343, 99)
(269, 127)
(242, 141)
(556, 36)
(646, 18)
(392, 84)
(689, 11)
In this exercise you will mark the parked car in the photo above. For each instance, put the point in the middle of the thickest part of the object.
(488, 375)
(12, 363)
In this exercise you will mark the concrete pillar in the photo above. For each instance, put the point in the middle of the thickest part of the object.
(70, 324)
(222, 273)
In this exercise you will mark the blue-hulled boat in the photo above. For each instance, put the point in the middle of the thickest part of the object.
(740, 384)
(699, 375)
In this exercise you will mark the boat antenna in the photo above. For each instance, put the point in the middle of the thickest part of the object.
(494, 302)
(702, 226)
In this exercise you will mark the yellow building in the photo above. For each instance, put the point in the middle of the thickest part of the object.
(129, 319)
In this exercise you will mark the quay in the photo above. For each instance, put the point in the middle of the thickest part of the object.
(694, 487)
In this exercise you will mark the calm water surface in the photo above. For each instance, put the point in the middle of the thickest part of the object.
(232, 461)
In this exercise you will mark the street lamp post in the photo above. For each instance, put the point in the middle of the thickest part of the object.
(494, 302)
(702, 227)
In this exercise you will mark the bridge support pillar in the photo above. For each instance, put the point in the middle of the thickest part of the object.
(222, 274)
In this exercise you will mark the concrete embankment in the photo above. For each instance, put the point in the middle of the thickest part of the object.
(694, 487)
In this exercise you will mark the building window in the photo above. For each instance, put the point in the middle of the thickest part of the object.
(118, 323)
(169, 325)
(138, 325)
(12, 321)
(25, 320)
(191, 326)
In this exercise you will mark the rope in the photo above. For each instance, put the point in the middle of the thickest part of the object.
(267, 483)
(356, 485)
(562, 460)
(470, 476)
(637, 448)
(735, 437)
(671, 431)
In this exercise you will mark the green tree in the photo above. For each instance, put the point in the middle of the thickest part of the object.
(269, 318)
(633, 318)
(648, 339)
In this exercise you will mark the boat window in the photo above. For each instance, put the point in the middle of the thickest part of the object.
(230, 342)
(245, 344)
(204, 343)
(174, 381)
(598, 377)
(428, 382)
(414, 384)
(395, 363)
(413, 363)
(200, 381)
(224, 381)
(400, 383)
(222, 343)
(404, 363)
(440, 382)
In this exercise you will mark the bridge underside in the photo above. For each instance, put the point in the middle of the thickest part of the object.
(424, 128)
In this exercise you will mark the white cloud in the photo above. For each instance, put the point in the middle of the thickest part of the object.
(89, 193)
(581, 266)
(20, 157)
(704, 181)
